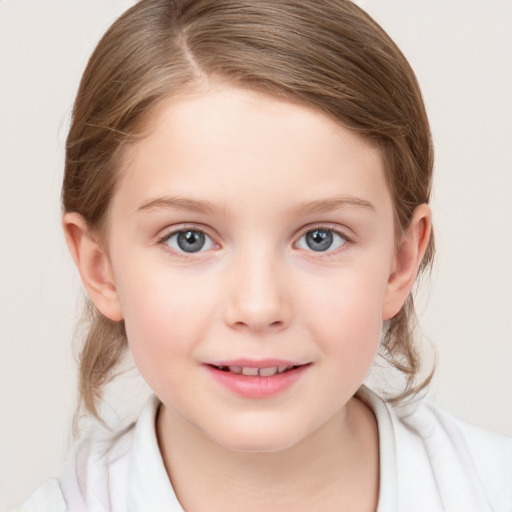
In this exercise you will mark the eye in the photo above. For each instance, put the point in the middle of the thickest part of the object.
(321, 240)
(189, 240)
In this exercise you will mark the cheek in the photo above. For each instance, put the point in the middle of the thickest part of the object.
(347, 315)
(165, 319)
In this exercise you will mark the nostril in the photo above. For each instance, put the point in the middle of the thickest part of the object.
(257, 316)
(258, 325)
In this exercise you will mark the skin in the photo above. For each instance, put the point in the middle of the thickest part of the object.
(271, 171)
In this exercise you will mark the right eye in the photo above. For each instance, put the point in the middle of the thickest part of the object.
(189, 241)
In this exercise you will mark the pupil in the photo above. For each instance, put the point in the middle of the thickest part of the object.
(319, 240)
(190, 241)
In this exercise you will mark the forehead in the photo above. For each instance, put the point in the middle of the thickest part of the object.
(235, 146)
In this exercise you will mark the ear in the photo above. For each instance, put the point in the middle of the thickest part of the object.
(409, 254)
(93, 264)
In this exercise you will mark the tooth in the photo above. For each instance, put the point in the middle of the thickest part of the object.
(282, 369)
(249, 371)
(235, 369)
(268, 372)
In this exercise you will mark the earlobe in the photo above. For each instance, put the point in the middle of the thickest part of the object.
(93, 265)
(409, 254)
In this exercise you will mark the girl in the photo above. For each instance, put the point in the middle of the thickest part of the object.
(246, 199)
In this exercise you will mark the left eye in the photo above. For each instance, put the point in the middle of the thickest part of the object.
(189, 240)
(321, 240)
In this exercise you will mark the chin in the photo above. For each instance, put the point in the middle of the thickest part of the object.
(269, 438)
(257, 445)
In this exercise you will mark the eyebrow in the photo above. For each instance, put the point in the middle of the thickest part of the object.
(334, 203)
(181, 203)
(207, 207)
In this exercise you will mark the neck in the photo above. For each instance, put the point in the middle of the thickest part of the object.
(335, 467)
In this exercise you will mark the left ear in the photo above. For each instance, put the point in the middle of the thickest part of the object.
(409, 254)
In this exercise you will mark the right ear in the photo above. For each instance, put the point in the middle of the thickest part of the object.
(93, 264)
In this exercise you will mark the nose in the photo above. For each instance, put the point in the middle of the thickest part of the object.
(258, 295)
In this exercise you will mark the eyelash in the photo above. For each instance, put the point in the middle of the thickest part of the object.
(162, 240)
(329, 253)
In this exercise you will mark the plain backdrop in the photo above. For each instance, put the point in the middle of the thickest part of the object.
(461, 51)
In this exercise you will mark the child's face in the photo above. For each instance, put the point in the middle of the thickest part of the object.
(248, 231)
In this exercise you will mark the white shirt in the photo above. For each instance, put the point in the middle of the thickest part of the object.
(429, 462)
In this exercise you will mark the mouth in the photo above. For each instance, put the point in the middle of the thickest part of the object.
(250, 371)
(257, 380)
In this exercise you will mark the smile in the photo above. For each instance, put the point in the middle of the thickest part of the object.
(257, 381)
(253, 372)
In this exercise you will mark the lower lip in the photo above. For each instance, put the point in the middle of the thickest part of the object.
(254, 386)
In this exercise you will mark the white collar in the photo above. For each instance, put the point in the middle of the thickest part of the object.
(387, 454)
(150, 486)
(424, 462)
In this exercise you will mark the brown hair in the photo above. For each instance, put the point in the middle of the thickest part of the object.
(327, 54)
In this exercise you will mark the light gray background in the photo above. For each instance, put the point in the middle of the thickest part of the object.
(462, 53)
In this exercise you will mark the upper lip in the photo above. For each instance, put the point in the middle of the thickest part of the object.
(256, 363)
